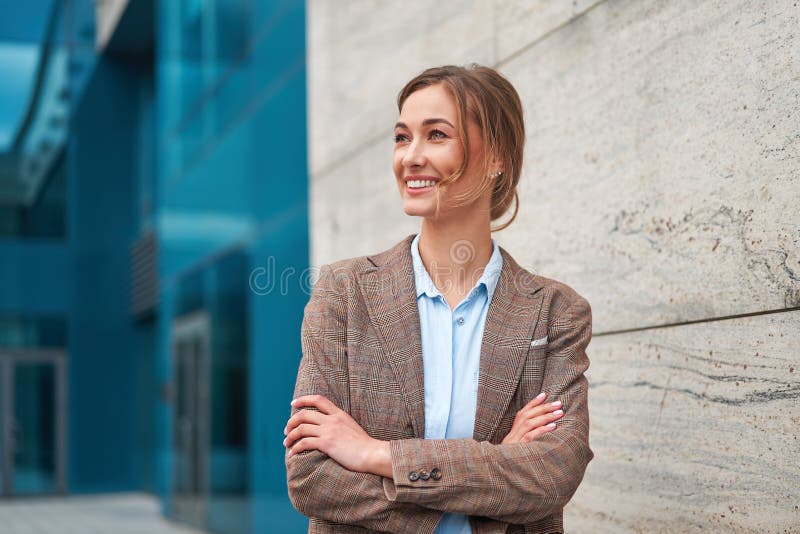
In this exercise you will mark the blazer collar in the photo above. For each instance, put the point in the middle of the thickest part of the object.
(390, 296)
(424, 284)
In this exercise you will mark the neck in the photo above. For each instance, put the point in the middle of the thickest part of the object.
(455, 253)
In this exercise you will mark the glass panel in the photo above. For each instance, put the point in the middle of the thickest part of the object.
(190, 293)
(33, 430)
(183, 422)
(148, 405)
(36, 332)
(229, 394)
(232, 31)
(191, 55)
(197, 416)
(3, 423)
(11, 221)
(46, 217)
(189, 458)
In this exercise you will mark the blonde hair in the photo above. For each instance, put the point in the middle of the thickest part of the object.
(484, 96)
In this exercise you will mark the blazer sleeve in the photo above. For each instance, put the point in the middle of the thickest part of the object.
(516, 483)
(318, 486)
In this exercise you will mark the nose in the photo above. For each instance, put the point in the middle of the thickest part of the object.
(414, 156)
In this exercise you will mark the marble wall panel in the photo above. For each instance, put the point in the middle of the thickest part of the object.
(694, 427)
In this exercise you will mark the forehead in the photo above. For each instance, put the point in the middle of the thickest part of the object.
(431, 101)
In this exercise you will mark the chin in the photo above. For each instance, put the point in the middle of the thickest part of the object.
(414, 209)
(417, 213)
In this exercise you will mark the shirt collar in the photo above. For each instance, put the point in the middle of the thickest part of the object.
(424, 284)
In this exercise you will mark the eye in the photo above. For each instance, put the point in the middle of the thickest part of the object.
(399, 138)
(435, 134)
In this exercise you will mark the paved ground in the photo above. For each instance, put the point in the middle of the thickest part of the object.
(114, 514)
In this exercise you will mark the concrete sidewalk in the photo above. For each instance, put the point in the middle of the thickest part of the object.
(130, 513)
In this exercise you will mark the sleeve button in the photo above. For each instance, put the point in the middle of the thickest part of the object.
(413, 476)
(436, 474)
(424, 475)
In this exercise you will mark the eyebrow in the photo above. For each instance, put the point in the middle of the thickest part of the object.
(426, 122)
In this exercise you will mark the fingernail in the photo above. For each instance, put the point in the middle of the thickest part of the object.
(284, 430)
(556, 403)
(292, 403)
(284, 443)
(551, 425)
(541, 395)
(558, 412)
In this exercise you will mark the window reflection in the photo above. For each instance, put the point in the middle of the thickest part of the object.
(45, 217)
(213, 395)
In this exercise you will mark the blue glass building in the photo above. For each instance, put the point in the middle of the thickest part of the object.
(153, 257)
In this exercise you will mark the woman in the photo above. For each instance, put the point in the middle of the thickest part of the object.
(420, 399)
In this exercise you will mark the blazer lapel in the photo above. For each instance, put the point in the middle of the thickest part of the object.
(391, 299)
(510, 322)
(390, 296)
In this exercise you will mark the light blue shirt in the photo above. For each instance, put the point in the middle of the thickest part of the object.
(451, 352)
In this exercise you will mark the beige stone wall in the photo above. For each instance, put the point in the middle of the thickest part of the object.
(662, 181)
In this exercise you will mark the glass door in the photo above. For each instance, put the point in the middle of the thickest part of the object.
(32, 423)
(191, 420)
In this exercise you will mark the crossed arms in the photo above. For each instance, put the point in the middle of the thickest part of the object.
(515, 483)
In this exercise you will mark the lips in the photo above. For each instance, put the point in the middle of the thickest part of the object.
(416, 191)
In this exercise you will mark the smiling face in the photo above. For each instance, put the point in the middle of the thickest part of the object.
(428, 149)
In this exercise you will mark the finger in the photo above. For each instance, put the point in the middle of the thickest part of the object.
(542, 409)
(303, 431)
(304, 416)
(306, 444)
(536, 432)
(319, 402)
(536, 401)
(542, 420)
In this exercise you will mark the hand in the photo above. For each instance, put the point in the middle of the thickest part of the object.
(332, 431)
(534, 419)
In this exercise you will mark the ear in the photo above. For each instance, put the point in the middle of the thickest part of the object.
(496, 164)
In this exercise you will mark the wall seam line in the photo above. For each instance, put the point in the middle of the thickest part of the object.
(695, 321)
(512, 56)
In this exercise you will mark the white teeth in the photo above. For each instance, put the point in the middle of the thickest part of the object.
(420, 183)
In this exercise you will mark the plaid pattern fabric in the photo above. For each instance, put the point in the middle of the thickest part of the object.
(361, 349)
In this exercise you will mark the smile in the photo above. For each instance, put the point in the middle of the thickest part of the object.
(420, 184)
(417, 188)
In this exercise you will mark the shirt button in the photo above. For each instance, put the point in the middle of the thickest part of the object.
(424, 475)
(460, 321)
(413, 476)
(436, 474)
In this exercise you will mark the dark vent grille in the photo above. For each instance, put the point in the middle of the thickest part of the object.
(144, 275)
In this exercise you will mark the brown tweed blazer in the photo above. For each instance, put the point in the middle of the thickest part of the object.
(361, 349)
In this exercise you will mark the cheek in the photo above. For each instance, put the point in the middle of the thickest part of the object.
(397, 164)
(475, 166)
(452, 157)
